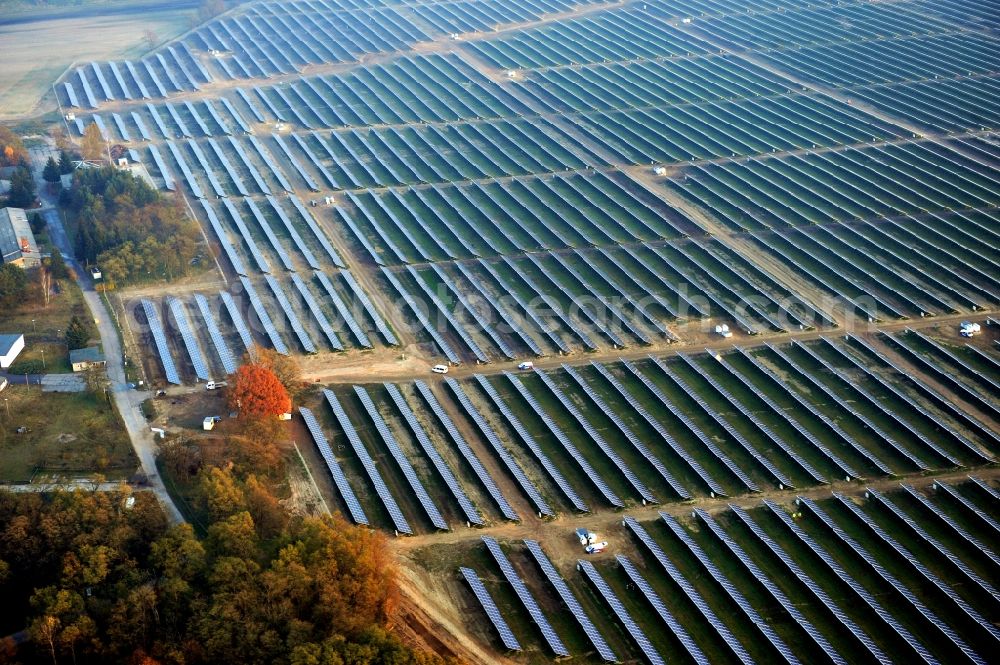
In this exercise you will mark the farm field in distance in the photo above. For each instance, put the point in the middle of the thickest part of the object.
(695, 272)
(38, 48)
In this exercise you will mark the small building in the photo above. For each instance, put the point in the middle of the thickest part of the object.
(82, 359)
(17, 242)
(11, 344)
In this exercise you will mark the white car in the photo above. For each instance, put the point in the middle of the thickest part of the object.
(596, 547)
(527, 364)
(440, 369)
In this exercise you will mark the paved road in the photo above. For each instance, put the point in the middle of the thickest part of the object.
(126, 399)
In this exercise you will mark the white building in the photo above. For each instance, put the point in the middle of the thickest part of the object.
(10, 346)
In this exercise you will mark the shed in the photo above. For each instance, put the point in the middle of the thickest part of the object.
(11, 344)
(85, 358)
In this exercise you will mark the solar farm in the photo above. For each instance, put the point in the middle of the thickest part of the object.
(734, 242)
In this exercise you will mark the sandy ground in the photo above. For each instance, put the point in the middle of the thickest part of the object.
(36, 53)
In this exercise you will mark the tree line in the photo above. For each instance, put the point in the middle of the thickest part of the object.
(98, 577)
(128, 228)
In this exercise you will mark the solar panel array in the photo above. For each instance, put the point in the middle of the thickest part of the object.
(369, 307)
(935, 543)
(737, 597)
(605, 591)
(868, 422)
(806, 434)
(812, 409)
(773, 589)
(320, 235)
(237, 319)
(902, 589)
(565, 442)
(258, 256)
(218, 341)
(596, 437)
(168, 180)
(189, 339)
(344, 311)
(929, 576)
(524, 595)
(858, 387)
(810, 584)
(953, 525)
(317, 312)
(466, 451)
(961, 385)
(339, 479)
(490, 607)
(675, 626)
(660, 429)
(160, 339)
(264, 317)
(446, 313)
(471, 513)
(637, 443)
(529, 488)
(679, 414)
(689, 591)
(433, 513)
(940, 401)
(223, 238)
(395, 514)
(736, 436)
(581, 616)
(293, 233)
(426, 324)
(858, 589)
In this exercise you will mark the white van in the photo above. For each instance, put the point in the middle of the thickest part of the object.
(527, 364)
(440, 369)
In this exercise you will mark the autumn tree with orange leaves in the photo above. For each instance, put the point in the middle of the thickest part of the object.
(256, 392)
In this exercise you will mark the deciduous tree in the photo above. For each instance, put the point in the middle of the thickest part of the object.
(92, 143)
(256, 392)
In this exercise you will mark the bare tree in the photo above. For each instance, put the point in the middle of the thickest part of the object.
(45, 277)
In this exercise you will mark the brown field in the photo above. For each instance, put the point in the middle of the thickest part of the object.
(36, 53)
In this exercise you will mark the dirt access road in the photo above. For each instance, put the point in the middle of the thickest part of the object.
(127, 400)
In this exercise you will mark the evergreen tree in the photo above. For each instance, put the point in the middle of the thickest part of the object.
(51, 172)
(65, 163)
(22, 188)
(37, 223)
(78, 332)
(13, 285)
(57, 265)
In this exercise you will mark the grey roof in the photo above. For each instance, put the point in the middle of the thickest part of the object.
(7, 341)
(14, 233)
(91, 354)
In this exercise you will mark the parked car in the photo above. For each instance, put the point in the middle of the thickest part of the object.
(212, 385)
(527, 364)
(440, 369)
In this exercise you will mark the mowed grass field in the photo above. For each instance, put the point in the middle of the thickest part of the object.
(37, 52)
